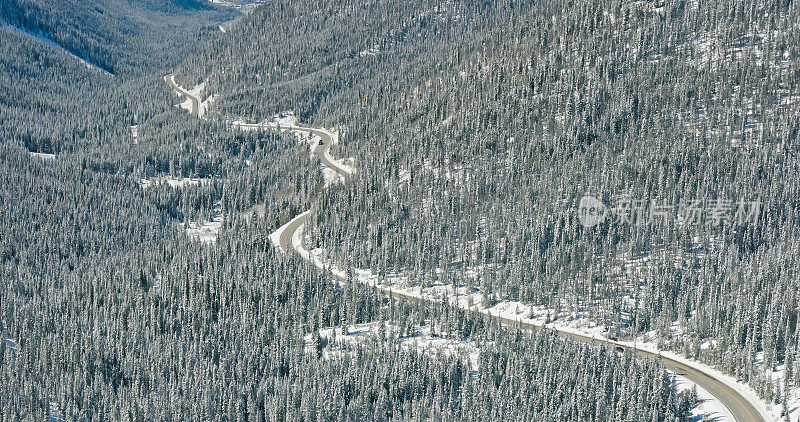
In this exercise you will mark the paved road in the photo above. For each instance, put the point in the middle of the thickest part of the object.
(320, 150)
(170, 79)
(741, 408)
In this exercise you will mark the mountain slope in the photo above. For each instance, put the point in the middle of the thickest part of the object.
(115, 35)
(478, 127)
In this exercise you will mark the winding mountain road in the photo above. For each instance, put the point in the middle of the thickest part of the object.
(288, 239)
(195, 111)
(741, 408)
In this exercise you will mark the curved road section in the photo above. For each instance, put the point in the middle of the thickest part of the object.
(170, 80)
(741, 408)
(287, 238)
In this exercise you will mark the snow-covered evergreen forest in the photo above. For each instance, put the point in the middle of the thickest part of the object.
(140, 281)
(478, 127)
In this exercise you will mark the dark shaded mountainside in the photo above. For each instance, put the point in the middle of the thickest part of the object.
(480, 125)
(53, 103)
(116, 36)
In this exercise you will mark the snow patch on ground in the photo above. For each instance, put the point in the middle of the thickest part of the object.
(708, 407)
(174, 182)
(423, 339)
(331, 176)
(777, 376)
(243, 6)
(282, 120)
(205, 105)
(207, 231)
(404, 176)
(54, 413)
(372, 51)
(10, 343)
(135, 133)
(793, 404)
(285, 118)
(43, 156)
(198, 89)
(187, 105)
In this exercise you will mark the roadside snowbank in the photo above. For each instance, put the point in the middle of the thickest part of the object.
(474, 300)
(708, 407)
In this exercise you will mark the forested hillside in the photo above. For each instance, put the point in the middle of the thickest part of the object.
(106, 292)
(115, 35)
(113, 307)
(478, 127)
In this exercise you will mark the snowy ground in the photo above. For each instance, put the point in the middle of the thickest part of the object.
(186, 104)
(174, 182)
(777, 375)
(207, 231)
(375, 49)
(10, 343)
(54, 413)
(423, 339)
(257, 210)
(43, 156)
(708, 407)
(244, 6)
(285, 118)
